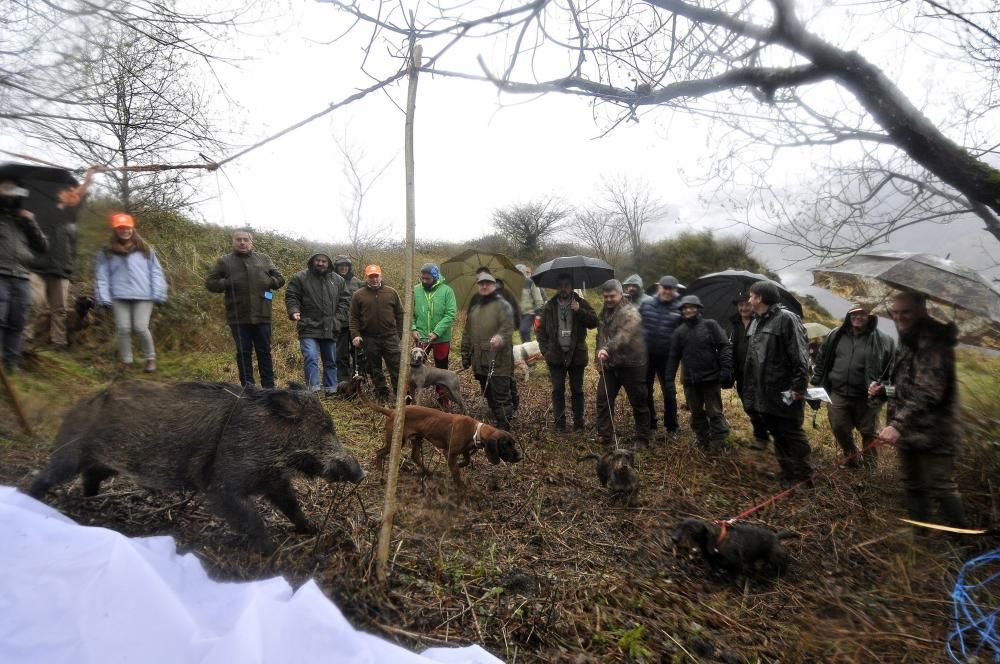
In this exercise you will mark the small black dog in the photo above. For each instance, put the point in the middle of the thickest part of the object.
(616, 471)
(739, 548)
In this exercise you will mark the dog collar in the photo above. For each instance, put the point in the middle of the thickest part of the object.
(723, 533)
(477, 440)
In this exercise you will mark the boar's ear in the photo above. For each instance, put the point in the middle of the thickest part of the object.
(492, 453)
(284, 403)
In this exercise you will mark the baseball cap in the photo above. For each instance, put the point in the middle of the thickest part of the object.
(486, 276)
(122, 220)
(373, 269)
(856, 308)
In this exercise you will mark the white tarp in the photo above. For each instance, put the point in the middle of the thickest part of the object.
(76, 594)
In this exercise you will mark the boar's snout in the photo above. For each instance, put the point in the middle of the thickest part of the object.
(344, 468)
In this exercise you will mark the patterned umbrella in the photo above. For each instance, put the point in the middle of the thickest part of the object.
(956, 292)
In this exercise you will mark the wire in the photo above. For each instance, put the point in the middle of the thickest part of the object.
(975, 625)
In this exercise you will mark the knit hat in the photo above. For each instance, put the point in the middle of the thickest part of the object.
(431, 269)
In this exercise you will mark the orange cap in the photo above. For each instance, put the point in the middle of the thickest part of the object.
(122, 220)
(373, 269)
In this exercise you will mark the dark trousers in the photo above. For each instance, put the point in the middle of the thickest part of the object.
(15, 302)
(558, 374)
(931, 477)
(382, 349)
(656, 370)
(497, 392)
(250, 338)
(611, 381)
(344, 354)
(707, 419)
(847, 414)
(791, 447)
(527, 325)
(756, 419)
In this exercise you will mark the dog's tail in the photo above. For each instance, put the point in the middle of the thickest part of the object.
(787, 534)
(588, 457)
(366, 397)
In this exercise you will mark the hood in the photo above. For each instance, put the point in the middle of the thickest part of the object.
(633, 279)
(309, 263)
(870, 327)
(929, 332)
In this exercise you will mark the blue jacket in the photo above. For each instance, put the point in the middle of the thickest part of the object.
(129, 276)
(659, 320)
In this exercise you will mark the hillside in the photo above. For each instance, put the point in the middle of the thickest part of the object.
(537, 563)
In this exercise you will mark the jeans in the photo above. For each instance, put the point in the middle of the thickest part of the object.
(133, 316)
(312, 350)
(15, 300)
(527, 325)
(656, 370)
(249, 338)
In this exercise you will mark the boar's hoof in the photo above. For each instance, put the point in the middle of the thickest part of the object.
(306, 528)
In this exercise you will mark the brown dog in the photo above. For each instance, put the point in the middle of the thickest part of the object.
(455, 435)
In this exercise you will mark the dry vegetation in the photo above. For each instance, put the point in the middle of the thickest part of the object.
(537, 562)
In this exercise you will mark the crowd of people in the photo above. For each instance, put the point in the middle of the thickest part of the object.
(346, 322)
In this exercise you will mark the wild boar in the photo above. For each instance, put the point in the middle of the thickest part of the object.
(209, 437)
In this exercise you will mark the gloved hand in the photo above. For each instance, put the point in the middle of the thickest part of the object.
(466, 362)
(726, 379)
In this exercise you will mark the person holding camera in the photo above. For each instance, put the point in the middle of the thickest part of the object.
(20, 239)
(922, 415)
(700, 344)
(851, 357)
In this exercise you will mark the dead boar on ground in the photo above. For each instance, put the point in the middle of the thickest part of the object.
(215, 438)
(739, 547)
(616, 471)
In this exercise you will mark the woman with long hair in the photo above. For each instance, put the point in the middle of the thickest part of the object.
(129, 279)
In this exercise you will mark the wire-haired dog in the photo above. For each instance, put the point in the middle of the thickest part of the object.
(736, 546)
(616, 471)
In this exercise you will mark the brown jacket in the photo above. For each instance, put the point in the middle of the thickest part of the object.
(489, 316)
(376, 312)
(619, 332)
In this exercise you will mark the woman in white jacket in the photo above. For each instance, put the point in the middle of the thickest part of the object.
(130, 280)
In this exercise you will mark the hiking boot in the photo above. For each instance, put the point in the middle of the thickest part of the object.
(578, 427)
(759, 444)
(560, 426)
(150, 366)
(124, 367)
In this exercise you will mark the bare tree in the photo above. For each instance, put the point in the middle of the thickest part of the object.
(631, 207)
(752, 65)
(527, 226)
(363, 237)
(144, 107)
(598, 230)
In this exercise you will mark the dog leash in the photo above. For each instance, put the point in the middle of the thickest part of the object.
(611, 413)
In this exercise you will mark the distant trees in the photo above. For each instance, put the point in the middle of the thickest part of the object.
(691, 255)
(527, 226)
(364, 237)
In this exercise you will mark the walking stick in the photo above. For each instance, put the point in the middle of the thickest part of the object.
(16, 401)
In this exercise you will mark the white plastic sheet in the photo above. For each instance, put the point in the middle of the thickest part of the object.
(70, 593)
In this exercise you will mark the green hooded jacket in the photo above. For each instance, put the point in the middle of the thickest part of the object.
(434, 310)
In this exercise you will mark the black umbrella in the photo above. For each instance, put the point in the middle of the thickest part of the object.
(44, 183)
(718, 290)
(585, 272)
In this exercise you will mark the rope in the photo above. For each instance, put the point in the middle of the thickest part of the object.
(214, 165)
(876, 443)
(975, 625)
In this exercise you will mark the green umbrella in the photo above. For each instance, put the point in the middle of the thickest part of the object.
(460, 273)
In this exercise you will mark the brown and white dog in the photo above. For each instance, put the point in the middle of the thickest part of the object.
(525, 355)
(454, 435)
(422, 375)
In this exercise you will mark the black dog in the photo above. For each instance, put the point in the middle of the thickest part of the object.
(616, 471)
(736, 547)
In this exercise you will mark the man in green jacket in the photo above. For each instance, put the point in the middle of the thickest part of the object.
(434, 310)
(487, 347)
(852, 357)
(316, 299)
(248, 280)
